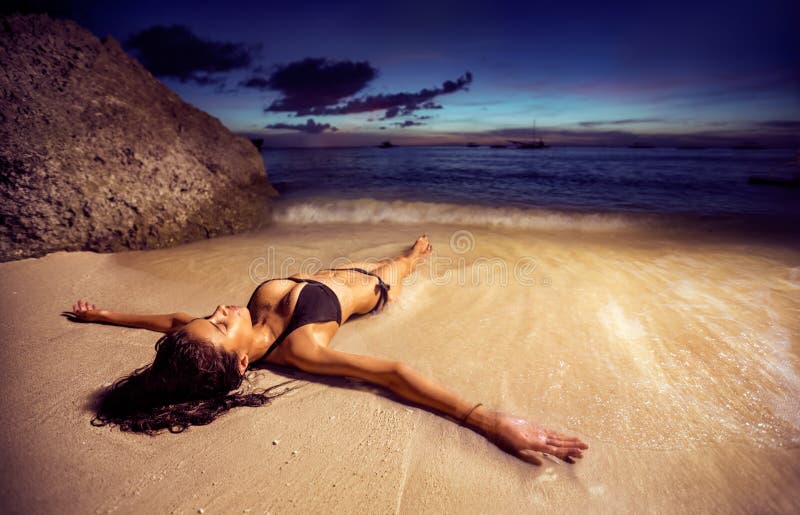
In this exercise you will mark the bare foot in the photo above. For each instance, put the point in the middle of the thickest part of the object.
(421, 248)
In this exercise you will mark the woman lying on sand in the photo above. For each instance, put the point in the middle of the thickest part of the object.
(200, 361)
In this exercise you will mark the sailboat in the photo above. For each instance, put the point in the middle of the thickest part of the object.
(530, 144)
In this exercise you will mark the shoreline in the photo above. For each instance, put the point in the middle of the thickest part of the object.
(301, 210)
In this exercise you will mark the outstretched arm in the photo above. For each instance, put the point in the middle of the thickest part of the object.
(87, 312)
(514, 435)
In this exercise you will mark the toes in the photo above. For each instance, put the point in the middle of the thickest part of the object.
(422, 246)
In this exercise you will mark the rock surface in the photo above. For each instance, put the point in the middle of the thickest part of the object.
(96, 154)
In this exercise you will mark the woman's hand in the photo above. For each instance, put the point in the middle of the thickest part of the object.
(85, 312)
(526, 440)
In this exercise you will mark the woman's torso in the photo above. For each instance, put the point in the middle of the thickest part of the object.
(274, 302)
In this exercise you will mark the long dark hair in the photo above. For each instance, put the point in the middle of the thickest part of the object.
(189, 383)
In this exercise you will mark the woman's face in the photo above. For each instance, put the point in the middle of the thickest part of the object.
(228, 327)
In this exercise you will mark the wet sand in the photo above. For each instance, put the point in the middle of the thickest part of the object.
(674, 358)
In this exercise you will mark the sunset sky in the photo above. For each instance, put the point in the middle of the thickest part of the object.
(356, 73)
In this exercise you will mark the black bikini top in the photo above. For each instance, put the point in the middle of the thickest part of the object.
(316, 303)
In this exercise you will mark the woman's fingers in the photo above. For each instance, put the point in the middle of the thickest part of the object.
(83, 305)
(532, 456)
(563, 452)
(566, 442)
(561, 444)
(573, 440)
(529, 456)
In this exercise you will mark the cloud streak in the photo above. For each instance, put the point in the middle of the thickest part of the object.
(782, 124)
(176, 52)
(310, 127)
(407, 123)
(627, 121)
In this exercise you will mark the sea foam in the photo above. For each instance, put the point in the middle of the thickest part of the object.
(372, 211)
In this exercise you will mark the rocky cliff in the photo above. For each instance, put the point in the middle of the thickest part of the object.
(96, 154)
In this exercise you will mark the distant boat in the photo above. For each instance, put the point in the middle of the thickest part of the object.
(258, 142)
(472, 145)
(530, 144)
(533, 144)
(640, 145)
(499, 146)
(386, 144)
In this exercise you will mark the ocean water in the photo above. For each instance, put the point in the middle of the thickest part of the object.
(518, 187)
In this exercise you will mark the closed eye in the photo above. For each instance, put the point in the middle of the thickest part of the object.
(216, 325)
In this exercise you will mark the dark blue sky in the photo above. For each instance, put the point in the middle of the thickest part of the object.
(710, 73)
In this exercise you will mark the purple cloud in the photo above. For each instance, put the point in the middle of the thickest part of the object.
(395, 104)
(319, 87)
(311, 82)
(311, 127)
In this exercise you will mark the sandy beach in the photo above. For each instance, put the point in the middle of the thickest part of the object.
(675, 360)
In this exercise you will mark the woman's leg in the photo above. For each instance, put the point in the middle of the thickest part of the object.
(369, 266)
(365, 294)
